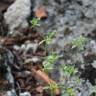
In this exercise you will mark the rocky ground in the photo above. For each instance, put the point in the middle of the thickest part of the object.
(74, 42)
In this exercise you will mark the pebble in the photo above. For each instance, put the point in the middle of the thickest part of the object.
(29, 46)
(94, 64)
(25, 94)
(33, 59)
(32, 46)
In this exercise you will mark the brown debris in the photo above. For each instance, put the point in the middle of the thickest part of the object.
(4, 4)
(29, 82)
(19, 39)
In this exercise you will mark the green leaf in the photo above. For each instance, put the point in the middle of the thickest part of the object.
(35, 21)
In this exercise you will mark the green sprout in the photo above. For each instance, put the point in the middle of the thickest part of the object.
(48, 38)
(52, 87)
(49, 61)
(69, 69)
(35, 22)
(71, 92)
(79, 43)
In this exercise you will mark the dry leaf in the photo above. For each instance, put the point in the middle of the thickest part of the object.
(41, 12)
(39, 89)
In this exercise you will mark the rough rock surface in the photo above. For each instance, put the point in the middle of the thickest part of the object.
(77, 15)
(17, 14)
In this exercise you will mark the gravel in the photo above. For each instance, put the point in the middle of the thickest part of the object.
(70, 19)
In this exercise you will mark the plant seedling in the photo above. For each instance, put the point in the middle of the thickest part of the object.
(48, 38)
(35, 22)
(71, 92)
(50, 60)
(69, 69)
(79, 43)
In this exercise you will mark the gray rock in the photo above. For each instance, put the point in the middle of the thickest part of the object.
(17, 14)
(16, 47)
(94, 64)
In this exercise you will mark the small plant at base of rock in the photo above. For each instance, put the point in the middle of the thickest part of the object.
(35, 22)
(79, 43)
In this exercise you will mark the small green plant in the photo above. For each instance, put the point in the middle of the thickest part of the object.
(69, 69)
(35, 22)
(52, 88)
(71, 92)
(48, 38)
(79, 43)
(49, 61)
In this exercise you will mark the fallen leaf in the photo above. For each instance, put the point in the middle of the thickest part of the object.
(41, 12)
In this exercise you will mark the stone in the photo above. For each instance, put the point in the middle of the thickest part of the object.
(11, 93)
(34, 59)
(25, 94)
(17, 14)
(94, 64)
